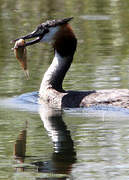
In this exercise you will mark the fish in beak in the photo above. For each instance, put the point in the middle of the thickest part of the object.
(20, 50)
(21, 54)
(44, 32)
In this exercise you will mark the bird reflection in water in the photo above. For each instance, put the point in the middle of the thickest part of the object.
(64, 154)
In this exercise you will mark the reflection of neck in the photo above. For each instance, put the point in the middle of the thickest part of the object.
(57, 130)
(55, 74)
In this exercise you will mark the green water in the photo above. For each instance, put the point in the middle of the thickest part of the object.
(97, 142)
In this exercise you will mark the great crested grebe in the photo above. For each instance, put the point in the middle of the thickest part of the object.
(64, 42)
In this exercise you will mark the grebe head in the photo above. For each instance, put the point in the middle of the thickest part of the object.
(59, 32)
(64, 42)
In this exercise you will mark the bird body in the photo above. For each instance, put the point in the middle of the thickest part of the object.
(64, 43)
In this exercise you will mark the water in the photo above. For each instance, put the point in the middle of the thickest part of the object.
(40, 143)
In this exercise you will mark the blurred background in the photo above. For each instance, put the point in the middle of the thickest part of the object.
(100, 62)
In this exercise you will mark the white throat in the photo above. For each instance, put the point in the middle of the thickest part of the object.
(49, 36)
(53, 74)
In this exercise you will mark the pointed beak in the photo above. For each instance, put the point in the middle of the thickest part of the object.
(37, 34)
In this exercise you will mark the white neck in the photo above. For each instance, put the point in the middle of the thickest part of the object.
(55, 74)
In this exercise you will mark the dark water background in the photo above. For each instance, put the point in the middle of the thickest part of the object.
(77, 143)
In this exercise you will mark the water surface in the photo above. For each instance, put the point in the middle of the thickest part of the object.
(40, 143)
